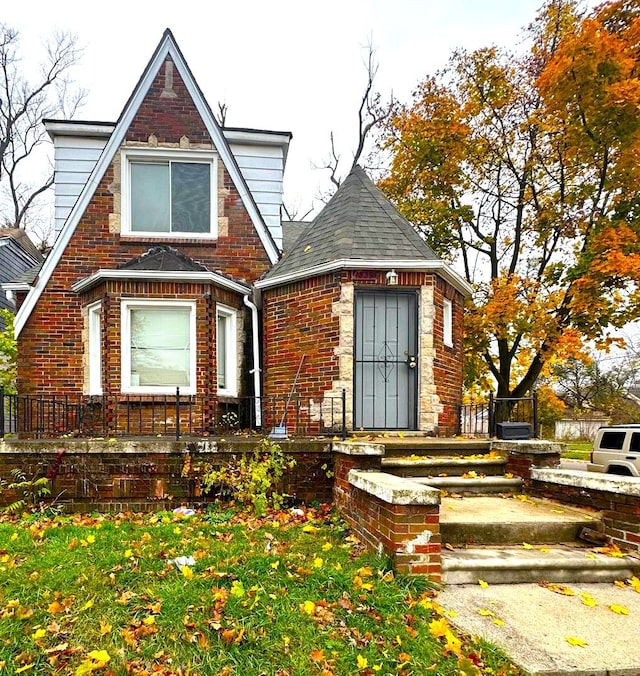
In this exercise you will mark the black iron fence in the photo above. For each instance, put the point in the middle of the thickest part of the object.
(39, 416)
(500, 417)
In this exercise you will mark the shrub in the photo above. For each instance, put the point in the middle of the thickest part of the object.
(253, 480)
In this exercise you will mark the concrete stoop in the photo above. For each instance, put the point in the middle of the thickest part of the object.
(489, 530)
(463, 466)
(570, 563)
(523, 540)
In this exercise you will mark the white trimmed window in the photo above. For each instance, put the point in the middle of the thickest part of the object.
(447, 323)
(169, 193)
(226, 351)
(158, 346)
(95, 348)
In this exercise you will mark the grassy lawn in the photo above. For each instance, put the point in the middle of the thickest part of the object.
(291, 593)
(578, 450)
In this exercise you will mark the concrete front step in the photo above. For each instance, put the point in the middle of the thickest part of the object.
(431, 446)
(486, 520)
(484, 485)
(422, 466)
(514, 565)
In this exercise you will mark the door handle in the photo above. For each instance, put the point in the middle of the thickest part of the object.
(412, 361)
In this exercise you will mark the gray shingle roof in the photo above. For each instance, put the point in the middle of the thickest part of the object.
(163, 258)
(29, 276)
(291, 230)
(358, 223)
(24, 241)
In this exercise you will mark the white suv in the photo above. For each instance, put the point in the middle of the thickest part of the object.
(616, 450)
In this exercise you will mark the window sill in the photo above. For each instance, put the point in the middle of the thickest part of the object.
(226, 394)
(168, 239)
(154, 396)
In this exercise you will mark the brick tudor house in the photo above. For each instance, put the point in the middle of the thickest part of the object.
(167, 273)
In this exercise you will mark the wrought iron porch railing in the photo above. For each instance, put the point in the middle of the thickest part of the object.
(40, 416)
(484, 419)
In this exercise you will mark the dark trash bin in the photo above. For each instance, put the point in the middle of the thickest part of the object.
(513, 430)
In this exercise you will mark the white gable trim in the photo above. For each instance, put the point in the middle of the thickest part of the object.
(166, 48)
(444, 270)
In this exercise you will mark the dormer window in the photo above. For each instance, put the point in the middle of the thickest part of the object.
(169, 194)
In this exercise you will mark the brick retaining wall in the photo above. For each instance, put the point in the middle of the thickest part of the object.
(617, 498)
(142, 475)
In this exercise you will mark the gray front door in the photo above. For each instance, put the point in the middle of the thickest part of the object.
(385, 368)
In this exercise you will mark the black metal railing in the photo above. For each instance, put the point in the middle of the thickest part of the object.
(488, 418)
(178, 415)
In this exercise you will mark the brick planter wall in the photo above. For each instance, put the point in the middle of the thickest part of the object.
(136, 475)
(391, 515)
(523, 456)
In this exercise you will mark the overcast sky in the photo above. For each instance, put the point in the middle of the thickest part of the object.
(286, 65)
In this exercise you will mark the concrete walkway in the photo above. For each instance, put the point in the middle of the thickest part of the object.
(537, 622)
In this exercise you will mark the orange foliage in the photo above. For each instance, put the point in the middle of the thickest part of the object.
(524, 169)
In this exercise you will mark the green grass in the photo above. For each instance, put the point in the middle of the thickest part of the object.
(578, 450)
(285, 595)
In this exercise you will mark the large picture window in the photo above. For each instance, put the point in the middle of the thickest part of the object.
(158, 346)
(169, 195)
(226, 351)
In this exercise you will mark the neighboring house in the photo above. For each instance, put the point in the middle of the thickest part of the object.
(19, 260)
(582, 427)
(166, 273)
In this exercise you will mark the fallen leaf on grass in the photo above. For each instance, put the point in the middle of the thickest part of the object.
(438, 628)
(97, 659)
(317, 655)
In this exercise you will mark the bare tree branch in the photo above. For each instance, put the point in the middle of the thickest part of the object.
(221, 115)
(24, 103)
(371, 114)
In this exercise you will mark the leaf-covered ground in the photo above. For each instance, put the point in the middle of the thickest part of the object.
(292, 593)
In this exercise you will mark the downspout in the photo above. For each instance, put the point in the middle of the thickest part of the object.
(256, 370)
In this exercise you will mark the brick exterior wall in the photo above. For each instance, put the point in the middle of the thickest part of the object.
(298, 320)
(51, 346)
(315, 317)
(448, 360)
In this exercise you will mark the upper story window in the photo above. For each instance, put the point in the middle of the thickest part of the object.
(169, 193)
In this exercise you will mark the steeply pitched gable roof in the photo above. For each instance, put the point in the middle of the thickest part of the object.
(167, 48)
(358, 228)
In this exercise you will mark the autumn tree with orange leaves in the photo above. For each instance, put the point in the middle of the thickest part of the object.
(524, 169)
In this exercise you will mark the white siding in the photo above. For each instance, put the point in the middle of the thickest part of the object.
(262, 168)
(75, 158)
